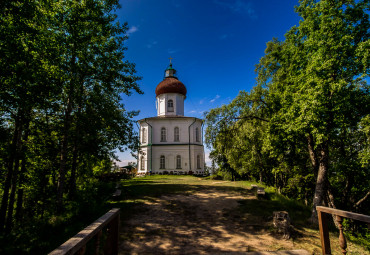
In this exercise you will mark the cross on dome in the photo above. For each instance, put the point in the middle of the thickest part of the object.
(170, 71)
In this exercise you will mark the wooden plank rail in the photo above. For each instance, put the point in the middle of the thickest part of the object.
(322, 213)
(77, 244)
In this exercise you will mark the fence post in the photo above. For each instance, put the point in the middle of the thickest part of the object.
(324, 232)
(342, 239)
(111, 247)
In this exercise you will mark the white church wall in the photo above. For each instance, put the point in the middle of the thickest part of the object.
(197, 124)
(195, 151)
(178, 104)
(170, 125)
(144, 153)
(170, 152)
(171, 96)
(144, 134)
(161, 103)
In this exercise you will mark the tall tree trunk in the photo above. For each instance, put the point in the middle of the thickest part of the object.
(321, 182)
(19, 212)
(9, 219)
(63, 156)
(313, 154)
(72, 184)
(19, 154)
(331, 202)
(9, 176)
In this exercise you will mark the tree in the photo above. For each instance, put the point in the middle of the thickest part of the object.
(306, 117)
(61, 112)
(95, 75)
(27, 65)
(317, 77)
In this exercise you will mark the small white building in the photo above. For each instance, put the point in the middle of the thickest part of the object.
(171, 143)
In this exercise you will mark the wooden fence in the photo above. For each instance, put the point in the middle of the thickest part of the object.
(77, 244)
(323, 213)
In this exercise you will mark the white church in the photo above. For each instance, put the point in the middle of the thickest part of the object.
(171, 143)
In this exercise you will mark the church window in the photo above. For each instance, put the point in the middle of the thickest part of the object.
(142, 163)
(143, 135)
(162, 164)
(197, 134)
(170, 105)
(163, 134)
(178, 162)
(198, 162)
(177, 134)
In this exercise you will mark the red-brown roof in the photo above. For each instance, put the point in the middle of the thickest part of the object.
(170, 85)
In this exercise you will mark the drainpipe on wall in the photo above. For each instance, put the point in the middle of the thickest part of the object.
(204, 156)
(189, 144)
(151, 137)
(138, 149)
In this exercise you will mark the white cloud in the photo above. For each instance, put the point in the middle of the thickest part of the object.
(193, 111)
(214, 99)
(150, 45)
(132, 30)
(206, 157)
(201, 101)
(172, 51)
(125, 162)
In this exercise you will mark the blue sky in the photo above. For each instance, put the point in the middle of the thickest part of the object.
(215, 45)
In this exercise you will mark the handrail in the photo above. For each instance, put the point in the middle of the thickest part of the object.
(77, 244)
(322, 213)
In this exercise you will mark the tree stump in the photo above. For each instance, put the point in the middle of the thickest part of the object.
(281, 221)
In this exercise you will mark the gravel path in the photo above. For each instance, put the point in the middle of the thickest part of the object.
(204, 222)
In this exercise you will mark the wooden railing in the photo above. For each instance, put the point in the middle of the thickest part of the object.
(77, 244)
(322, 213)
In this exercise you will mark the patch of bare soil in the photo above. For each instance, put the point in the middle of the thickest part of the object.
(205, 222)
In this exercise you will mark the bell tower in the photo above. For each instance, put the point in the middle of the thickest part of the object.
(170, 94)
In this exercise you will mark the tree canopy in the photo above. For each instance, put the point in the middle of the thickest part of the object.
(62, 78)
(303, 126)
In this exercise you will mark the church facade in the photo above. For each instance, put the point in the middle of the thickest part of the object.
(171, 143)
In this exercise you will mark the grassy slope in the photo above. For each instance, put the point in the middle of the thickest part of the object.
(138, 190)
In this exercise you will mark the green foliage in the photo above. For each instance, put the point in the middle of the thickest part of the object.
(35, 237)
(361, 236)
(62, 117)
(304, 127)
(365, 153)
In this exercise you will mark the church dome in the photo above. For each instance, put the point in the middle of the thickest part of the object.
(170, 85)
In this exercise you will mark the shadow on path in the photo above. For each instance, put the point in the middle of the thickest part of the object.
(162, 218)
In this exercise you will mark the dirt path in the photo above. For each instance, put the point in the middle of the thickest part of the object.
(203, 222)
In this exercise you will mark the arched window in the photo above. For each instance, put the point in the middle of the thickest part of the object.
(170, 105)
(178, 162)
(143, 135)
(197, 134)
(142, 163)
(163, 134)
(176, 134)
(162, 164)
(198, 162)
